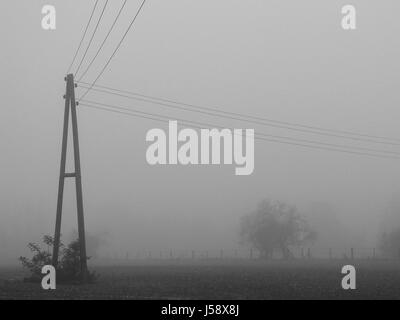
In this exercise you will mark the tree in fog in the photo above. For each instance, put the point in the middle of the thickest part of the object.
(94, 241)
(275, 226)
(390, 243)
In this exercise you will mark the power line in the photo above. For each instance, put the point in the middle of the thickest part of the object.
(83, 37)
(259, 136)
(256, 118)
(269, 135)
(263, 134)
(115, 51)
(104, 41)
(91, 39)
(235, 116)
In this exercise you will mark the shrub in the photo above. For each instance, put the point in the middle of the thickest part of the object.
(68, 269)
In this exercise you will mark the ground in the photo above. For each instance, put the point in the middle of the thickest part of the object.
(219, 280)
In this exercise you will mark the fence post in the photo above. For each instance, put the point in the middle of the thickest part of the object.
(302, 253)
(352, 253)
(373, 253)
(193, 255)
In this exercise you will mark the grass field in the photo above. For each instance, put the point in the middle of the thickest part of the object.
(219, 280)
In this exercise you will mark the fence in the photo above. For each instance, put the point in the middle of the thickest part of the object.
(305, 253)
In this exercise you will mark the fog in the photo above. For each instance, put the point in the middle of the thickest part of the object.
(284, 60)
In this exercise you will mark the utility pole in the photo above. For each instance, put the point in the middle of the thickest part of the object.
(70, 105)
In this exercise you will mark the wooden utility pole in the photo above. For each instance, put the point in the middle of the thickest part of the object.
(70, 105)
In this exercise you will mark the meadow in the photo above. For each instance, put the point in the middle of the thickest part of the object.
(218, 279)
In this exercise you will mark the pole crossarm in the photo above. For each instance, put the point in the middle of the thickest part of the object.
(70, 175)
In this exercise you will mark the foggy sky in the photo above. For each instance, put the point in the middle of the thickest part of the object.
(283, 60)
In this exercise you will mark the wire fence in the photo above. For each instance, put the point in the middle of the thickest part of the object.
(304, 253)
